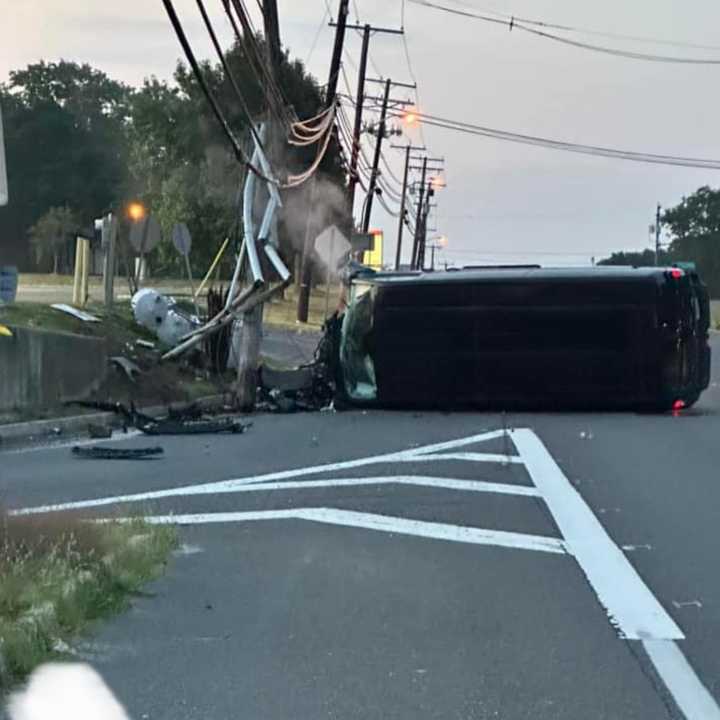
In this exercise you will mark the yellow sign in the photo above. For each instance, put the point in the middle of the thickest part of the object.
(5, 331)
(374, 258)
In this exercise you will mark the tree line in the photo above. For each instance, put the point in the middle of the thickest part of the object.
(79, 144)
(693, 227)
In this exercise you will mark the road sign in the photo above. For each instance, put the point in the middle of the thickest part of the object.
(145, 234)
(331, 247)
(3, 170)
(181, 238)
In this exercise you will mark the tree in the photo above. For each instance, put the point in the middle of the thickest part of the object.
(694, 226)
(646, 258)
(49, 235)
(65, 142)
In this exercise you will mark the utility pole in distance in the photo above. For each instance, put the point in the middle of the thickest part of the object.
(401, 223)
(657, 235)
(303, 305)
(418, 215)
(376, 160)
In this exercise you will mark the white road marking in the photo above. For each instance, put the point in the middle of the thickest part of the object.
(632, 607)
(419, 480)
(228, 486)
(691, 696)
(383, 523)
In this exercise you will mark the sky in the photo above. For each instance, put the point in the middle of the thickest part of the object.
(503, 202)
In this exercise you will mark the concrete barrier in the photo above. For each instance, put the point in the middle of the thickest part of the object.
(41, 369)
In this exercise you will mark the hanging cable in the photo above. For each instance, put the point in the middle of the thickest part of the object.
(229, 74)
(587, 31)
(209, 96)
(514, 24)
(567, 146)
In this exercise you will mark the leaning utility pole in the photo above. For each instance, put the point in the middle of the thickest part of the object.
(303, 305)
(376, 160)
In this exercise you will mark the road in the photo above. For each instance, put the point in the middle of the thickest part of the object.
(417, 565)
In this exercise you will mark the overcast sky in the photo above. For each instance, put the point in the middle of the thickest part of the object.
(503, 202)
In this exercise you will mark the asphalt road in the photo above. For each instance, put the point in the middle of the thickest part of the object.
(562, 567)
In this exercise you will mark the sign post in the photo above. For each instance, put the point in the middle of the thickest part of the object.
(182, 240)
(3, 168)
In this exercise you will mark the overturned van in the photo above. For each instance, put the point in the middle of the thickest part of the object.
(526, 337)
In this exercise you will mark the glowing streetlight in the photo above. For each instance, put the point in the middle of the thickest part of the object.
(411, 116)
(438, 182)
(136, 211)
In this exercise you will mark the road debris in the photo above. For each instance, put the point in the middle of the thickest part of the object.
(188, 420)
(79, 314)
(160, 314)
(127, 366)
(105, 453)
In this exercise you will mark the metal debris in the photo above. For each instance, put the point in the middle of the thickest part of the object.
(79, 314)
(105, 453)
(127, 366)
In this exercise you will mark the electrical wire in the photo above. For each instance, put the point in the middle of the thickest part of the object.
(229, 74)
(568, 146)
(587, 31)
(209, 96)
(514, 24)
(322, 25)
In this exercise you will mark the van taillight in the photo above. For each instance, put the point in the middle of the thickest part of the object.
(676, 273)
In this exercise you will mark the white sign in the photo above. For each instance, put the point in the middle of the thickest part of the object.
(181, 238)
(3, 168)
(331, 247)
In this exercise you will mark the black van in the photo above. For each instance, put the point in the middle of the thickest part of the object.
(526, 337)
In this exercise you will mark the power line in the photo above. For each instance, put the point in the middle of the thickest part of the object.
(567, 146)
(318, 32)
(587, 31)
(514, 24)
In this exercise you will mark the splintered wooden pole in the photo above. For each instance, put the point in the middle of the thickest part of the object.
(248, 353)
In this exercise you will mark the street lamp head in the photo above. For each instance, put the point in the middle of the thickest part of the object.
(442, 241)
(136, 211)
(411, 116)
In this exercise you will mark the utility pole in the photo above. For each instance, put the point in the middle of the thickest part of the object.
(249, 325)
(657, 235)
(367, 31)
(401, 223)
(355, 154)
(303, 305)
(376, 160)
(418, 216)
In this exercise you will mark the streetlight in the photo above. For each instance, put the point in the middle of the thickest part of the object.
(136, 211)
(411, 116)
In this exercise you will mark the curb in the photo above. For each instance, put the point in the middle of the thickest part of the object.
(16, 435)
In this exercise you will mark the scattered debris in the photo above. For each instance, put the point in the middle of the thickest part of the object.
(105, 453)
(189, 420)
(99, 432)
(127, 366)
(688, 603)
(160, 314)
(145, 344)
(79, 314)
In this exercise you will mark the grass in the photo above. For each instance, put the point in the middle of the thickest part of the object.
(59, 573)
(283, 311)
